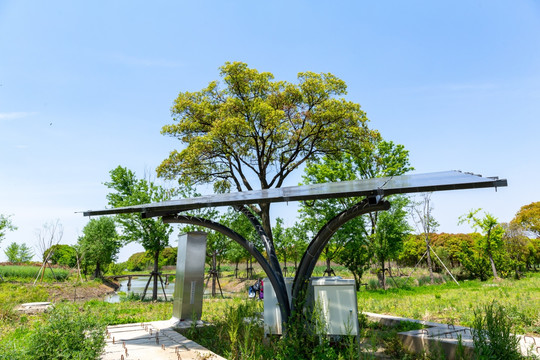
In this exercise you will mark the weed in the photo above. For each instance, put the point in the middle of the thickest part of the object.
(491, 336)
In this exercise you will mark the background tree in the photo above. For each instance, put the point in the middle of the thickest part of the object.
(391, 230)
(492, 234)
(50, 234)
(528, 217)
(5, 226)
(99, 244)
(152, 233)
(254, 132)
(284, 242)
(18, 253)
(378, 158)
(299, 244)
(65, 255)
(421, 212)
(515, 244)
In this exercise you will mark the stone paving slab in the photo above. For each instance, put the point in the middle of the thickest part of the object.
(155, 340)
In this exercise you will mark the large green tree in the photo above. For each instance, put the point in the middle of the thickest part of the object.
(99, 244)
(378, 158)
(152, 234)
(253, 132)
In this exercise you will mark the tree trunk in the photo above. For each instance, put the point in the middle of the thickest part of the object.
(381, 275)
(285, 262)
(155, 273)
(214, 274)
(97, 271)
(430, 266)
(493, 268)
(328, 266)
(265, 220)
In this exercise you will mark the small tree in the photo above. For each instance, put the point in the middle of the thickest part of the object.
(492, 234)
(99, 244)
(421, 214)
(18, 253)
(152, 234)
(50, 234)
(390, 231)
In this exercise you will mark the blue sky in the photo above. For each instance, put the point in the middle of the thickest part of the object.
(87, 86)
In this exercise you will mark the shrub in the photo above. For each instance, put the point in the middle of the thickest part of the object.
(492, 338)
(68, 333)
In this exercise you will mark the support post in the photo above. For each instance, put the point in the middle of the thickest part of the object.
(189, 282)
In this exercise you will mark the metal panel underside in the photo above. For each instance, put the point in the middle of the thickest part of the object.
(414, 183)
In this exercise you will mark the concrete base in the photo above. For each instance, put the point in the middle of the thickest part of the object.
(444, 338)
(34, 308)
(156, 340)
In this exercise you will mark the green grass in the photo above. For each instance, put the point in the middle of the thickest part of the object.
(30, 272)
(452, 304)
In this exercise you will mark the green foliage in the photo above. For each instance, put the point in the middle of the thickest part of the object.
(138, 261)
(391, 228)
(66, 332)
(355, 243)
(65, 255)
(237, 333)
(261, 129)
(491, 243)
(492, 336)
(5, 226)
(29, 272)
(144, 260)
(127, 190)
(18, 253)
(528, 217)
(99, 244)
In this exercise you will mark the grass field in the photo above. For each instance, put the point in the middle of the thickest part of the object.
(26, 273)
(452, 304)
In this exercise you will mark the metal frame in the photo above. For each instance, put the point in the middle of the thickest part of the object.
(373, 191)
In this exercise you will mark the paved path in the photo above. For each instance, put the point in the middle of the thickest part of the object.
(155, 340)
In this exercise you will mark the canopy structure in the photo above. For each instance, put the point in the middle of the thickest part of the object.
(373, 193)
(438, 181)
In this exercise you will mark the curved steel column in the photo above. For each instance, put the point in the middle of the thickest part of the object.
(315, 248)
(272, 276)
(269, 247)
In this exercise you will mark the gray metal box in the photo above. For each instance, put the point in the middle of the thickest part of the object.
(332, 298)
(336, 304)
(272, 314)
(189, 282)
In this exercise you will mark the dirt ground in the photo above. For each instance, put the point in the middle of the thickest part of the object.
(87, 291)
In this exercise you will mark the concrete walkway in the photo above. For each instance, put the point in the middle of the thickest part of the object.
(155, 340)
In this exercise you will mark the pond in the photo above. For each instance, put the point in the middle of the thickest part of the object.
(137, 287)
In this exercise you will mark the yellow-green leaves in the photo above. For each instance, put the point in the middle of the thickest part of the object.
(255, 129)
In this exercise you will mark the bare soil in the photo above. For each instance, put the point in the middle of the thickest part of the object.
(86, 291)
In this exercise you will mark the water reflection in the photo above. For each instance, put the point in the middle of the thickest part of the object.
(137, 287)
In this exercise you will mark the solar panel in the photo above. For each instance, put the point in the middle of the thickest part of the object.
(413, 183)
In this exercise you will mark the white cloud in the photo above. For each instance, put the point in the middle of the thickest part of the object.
(16, 115)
